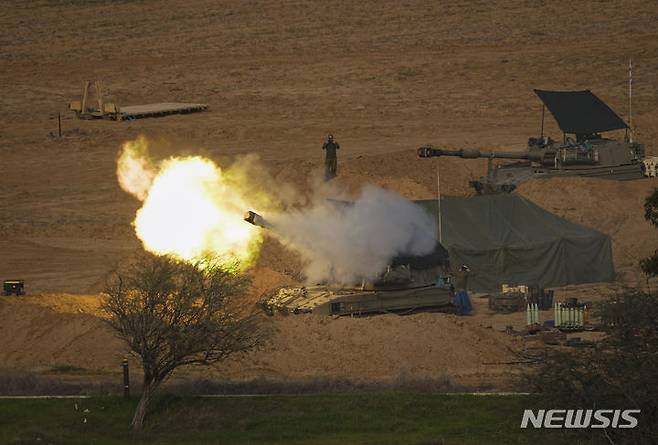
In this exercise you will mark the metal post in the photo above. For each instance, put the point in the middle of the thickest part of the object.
(126, 379)
(630, 98)
(59, 124)
(438, 201)
(543, 107)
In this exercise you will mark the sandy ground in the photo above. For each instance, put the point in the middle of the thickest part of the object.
(45, 333)
(384, 77)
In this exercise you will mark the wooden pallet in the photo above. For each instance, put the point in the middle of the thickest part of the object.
(510, 302)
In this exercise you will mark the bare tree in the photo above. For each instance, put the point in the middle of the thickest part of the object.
(173, 314)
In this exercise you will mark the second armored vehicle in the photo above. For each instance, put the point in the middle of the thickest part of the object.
(582, 117)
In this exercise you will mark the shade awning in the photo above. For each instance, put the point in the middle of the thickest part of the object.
(580, 112)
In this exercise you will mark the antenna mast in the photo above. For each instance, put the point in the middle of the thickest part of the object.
(630, 98)
(438, 201)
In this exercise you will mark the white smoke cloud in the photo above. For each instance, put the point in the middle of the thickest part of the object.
(346, 244)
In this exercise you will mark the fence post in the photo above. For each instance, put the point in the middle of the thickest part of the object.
(126, 379)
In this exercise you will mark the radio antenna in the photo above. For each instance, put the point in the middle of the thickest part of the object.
(438, 202)
(630, 98)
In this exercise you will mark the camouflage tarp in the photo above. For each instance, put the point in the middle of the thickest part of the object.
(506, 239)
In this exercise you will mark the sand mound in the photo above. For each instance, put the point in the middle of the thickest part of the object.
(379, 348)
(47, 332)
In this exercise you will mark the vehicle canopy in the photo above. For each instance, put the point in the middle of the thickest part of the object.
(580, 112)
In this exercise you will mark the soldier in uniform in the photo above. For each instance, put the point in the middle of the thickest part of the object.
(461, 298)
(331, 160)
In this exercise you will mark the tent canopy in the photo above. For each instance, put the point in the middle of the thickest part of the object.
(507, 239)
(580, 112)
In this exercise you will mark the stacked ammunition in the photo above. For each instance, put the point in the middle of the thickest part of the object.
(571, 316)
(532, 314)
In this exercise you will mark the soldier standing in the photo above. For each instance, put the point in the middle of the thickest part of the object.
(331, 159)
(461, 298)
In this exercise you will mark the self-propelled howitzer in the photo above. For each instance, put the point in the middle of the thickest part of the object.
(585, 152)
(407, 284)
(602, 158)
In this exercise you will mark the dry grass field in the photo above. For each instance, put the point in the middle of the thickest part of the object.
(383, 76)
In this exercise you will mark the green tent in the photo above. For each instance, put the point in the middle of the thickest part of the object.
(506, 239)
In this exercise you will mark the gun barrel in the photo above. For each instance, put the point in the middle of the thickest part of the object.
(254, 218)
(428, 151)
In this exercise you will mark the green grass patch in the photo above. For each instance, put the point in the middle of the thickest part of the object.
(322, 419)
